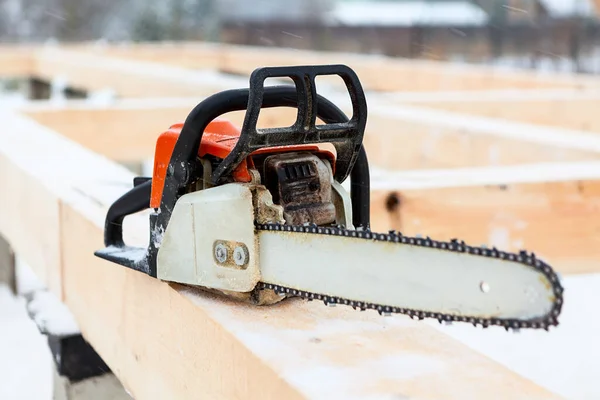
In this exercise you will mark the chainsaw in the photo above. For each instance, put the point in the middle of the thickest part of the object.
(261, 215)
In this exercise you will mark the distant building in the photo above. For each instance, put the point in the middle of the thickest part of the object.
(513, 11)
(404, 13)
(570, 8)
(298, 11)
(523, 11)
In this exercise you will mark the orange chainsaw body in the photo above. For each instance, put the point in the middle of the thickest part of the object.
(218, 139)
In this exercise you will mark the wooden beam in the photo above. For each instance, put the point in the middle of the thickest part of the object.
(408, 137)
(16, 61)
(562, 109)
(179, 54)
(166, 341)
(549, 208)
(127, 130)
(376, 72)
(127, 78)
(396, 137)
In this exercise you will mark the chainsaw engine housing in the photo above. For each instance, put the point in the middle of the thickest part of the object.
(301, 184)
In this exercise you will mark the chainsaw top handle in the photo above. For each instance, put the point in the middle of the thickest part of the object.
(345, 134)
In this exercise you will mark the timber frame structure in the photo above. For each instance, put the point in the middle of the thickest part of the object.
(494, 156)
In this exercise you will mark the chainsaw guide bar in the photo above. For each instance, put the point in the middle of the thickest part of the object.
(526, 259)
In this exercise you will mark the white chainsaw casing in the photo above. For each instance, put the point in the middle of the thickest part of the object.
(222, 214)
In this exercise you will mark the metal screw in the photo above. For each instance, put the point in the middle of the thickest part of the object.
(240, 255)
(221, 253)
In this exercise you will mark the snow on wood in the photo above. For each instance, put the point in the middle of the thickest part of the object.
(88, 65)
(569, 110)
(467, 177)
(506, 95)
(26, 362)
(497, 127)
(51, 316)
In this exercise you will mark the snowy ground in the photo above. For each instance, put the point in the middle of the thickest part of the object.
(25, 361)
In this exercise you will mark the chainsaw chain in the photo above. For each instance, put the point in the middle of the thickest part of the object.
(529, 259)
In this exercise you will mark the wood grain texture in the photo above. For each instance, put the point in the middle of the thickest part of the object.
(166, 341)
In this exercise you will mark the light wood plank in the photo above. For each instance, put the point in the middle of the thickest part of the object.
(550, 209)
(166, 341)
(567, 109)
(16, 61)
(377, 72)
(396, 137)
(126, 78)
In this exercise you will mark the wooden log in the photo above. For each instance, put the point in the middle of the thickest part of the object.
(167, 341)
(549, 209)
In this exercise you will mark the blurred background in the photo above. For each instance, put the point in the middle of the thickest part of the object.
(550, 34)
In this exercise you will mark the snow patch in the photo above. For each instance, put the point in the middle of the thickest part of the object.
(406, 13)
(51, 316)
(478, 176)
(499, 238)
(27, 280)
(159, 232)
(136, 255)
(25, 361)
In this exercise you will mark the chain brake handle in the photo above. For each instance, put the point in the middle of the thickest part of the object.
(346, 137)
